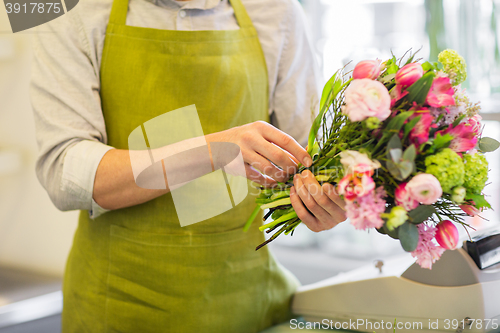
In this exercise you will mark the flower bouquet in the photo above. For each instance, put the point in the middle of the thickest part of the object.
(402, 144)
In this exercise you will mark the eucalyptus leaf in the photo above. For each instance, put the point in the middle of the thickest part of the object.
(395, 154)
(392, 233)
(408, 236)
(405, 168)
(410, 153)
(394, 143)
(421, 213)
(488, 144)
(394, 170)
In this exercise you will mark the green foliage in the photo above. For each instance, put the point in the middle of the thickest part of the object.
(479, 200)
(421, 213)
(488, 144)
(418, 91)
(476, 172)
(408, 236)
(447, 167)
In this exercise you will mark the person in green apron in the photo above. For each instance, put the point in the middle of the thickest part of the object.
(134, 268)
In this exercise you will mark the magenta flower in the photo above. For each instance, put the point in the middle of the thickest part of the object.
(441, 93)
(420, 133)
(404, 199)
(409, 74)
(447, 235)
(464, 137)
(427, 252)
(364, 212)
(367, 69)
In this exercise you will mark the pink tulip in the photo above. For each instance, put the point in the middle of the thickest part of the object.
(367, 69)
(441, 93)
(424, 188)
(409, 74)
(404, 199)
(470, 209)
(447, 235)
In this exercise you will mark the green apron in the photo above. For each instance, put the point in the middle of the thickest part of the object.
(135, 269)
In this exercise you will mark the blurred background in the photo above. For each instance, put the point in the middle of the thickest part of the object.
(35, 237)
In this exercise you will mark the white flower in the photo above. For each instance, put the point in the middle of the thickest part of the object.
(351, 158)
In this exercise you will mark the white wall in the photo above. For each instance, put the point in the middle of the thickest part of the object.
(33, 233)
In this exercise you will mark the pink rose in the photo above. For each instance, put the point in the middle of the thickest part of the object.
(366, 98)
(447, 235)
(441, 93)
(404, 199)
(409, 74)
(367, 69)
(424, 188)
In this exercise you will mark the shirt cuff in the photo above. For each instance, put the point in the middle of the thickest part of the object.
(80, 166)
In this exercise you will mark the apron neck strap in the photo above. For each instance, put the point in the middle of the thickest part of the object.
(119, 10)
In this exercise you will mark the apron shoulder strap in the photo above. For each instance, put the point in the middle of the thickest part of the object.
(119, 12)
(241, 14)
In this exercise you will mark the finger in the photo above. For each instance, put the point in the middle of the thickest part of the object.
(276, 155)
(264, 166)
(331, 192)
(319, 213)
(255, 176)
(323, 200)
(288, 143)
(303, 214)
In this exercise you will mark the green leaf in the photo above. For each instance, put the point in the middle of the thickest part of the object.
(478, 199)
(418, 91)
(392, 69)
(458, 120)
(406, 168)
(397, 122)
(421, 213)
(441, 141)
(427, 66)
(388, 78)
(396, 155)
(408, 236)
(252, 217)
(392, 233)
(394, 170)
(488, 144)
(328, 88)
(410, 153)
(394, 143)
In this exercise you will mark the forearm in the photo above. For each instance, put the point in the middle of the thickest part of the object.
(115, 186)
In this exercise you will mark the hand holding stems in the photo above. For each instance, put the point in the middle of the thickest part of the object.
(318, 206)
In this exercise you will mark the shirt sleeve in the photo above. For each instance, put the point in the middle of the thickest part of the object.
(295, 100)
(70, 128)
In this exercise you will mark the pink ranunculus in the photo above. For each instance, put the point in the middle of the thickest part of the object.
(366, 98)
(419, 134)
(404, 199)
(409, 74)
(464, 137)
(441, 93)
(475, 122)
(470, 209)
(367, 69)
(447, 235)
(358, 183)
(424, 188)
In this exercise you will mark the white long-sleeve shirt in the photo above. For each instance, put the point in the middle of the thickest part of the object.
(65, 84)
